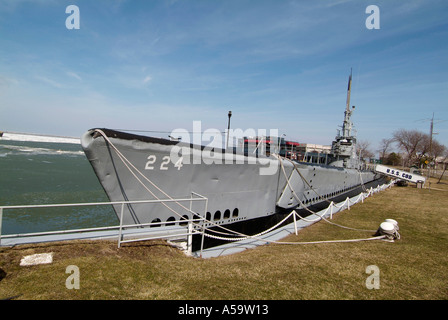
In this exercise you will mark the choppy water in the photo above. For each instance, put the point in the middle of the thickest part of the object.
(46, 173)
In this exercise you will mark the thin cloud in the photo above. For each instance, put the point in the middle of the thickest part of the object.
(6, 81)
(74, 75)
(49, 81)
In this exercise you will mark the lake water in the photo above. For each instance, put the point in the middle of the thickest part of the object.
(46, 170)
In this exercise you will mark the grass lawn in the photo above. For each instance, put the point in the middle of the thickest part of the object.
(414, 267)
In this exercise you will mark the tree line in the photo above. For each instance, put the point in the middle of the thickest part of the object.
(417, 149)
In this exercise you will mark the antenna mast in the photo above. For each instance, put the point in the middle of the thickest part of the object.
(348, 91)
(347, 125)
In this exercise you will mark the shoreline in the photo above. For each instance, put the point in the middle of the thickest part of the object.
(35, 137)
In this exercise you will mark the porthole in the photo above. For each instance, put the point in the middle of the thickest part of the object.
(208, 216)
(227, 214)
(184, 217)
(217, 215)
(169, 220)
(235, 212)
(156, 220)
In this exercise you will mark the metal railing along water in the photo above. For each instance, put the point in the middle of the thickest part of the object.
(194, 226)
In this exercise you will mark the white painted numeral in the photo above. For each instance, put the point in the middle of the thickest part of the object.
(152, 159)
(178, 163)
(166, 160)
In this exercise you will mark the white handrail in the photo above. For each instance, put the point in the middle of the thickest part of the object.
(98, 203)
(120, 227)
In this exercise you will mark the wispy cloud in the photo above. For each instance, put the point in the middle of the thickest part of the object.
(7, 81)
(74, 75)
(49, 81)
(147, 79)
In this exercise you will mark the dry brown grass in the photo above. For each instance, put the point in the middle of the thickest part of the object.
(413, 267)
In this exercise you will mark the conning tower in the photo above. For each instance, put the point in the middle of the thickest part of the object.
(343, 148)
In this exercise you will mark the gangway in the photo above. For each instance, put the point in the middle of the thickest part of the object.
(401, 174)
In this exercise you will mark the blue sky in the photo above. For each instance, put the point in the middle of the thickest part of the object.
(160, 65)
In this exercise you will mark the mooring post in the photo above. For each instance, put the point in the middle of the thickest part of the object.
(190, 238)
(204, 219)
(295, 221)
(121, 225)
(331, 210)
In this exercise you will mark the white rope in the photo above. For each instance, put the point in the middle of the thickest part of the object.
(330, 241)
(256, 235)
(362, 182)
(298, 243)
(306, 181)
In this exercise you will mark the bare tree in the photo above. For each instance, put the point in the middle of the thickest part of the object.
(410, 141)
(423, 149)
(418, 146)
(385, 146)
(437, 149)
(363, 149)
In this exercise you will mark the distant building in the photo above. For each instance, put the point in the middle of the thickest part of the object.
(315, 153)
(306, 152)
(441, 163)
